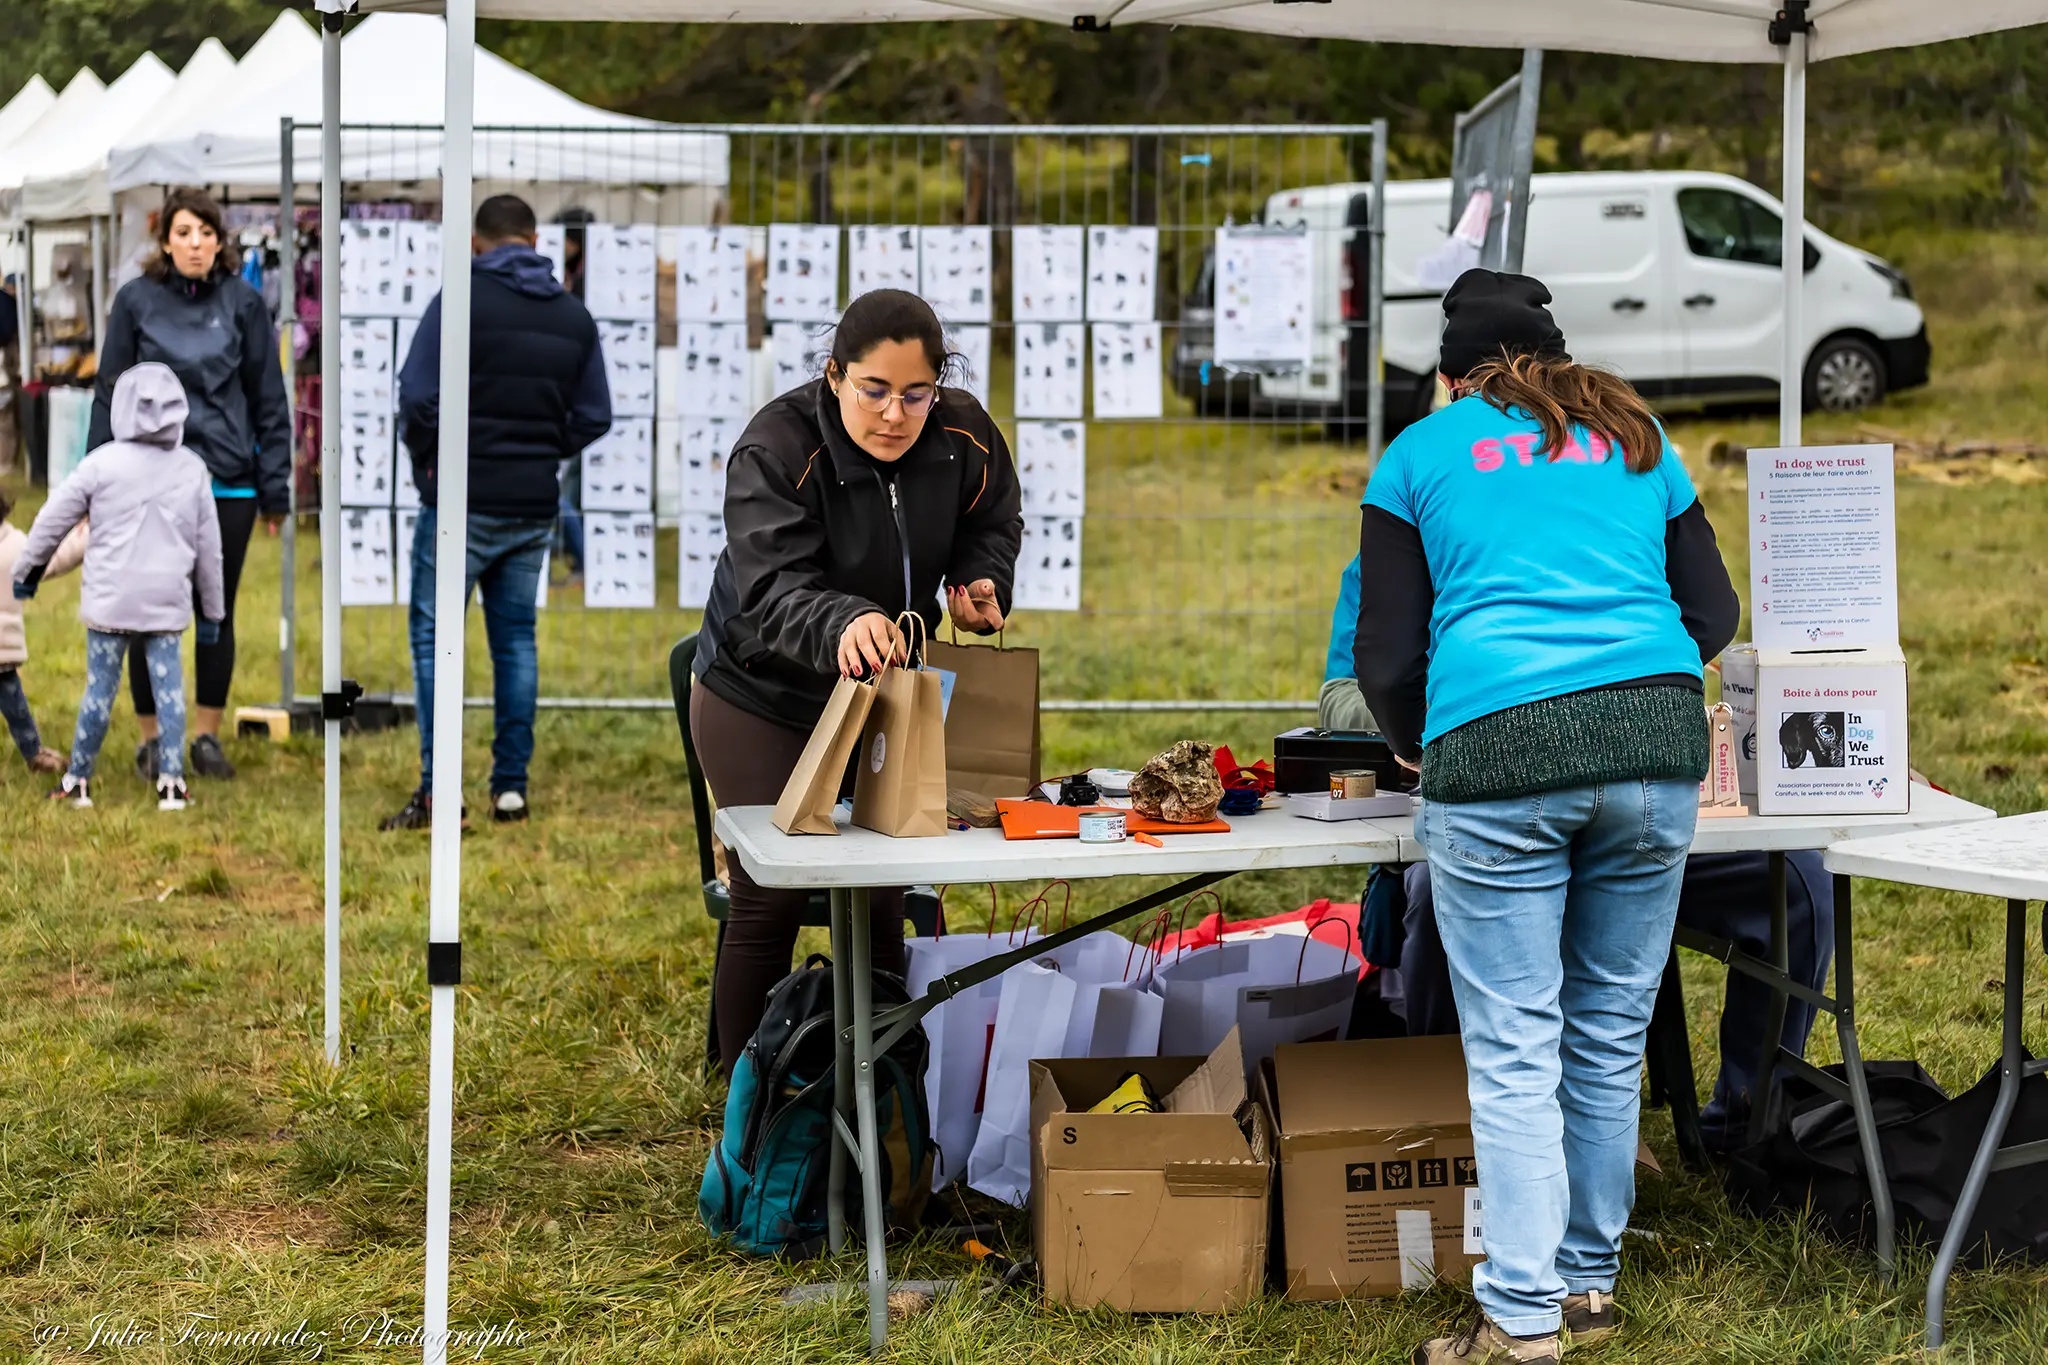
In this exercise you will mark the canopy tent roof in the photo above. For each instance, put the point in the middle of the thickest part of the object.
(1685, 30)
(56, 143)
(393, 78)
(78, 189)
(19, 114)
(76, 101)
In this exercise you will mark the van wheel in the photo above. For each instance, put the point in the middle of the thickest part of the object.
(1844, 374)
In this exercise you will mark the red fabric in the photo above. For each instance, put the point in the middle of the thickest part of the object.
(1258, 776)
(1213, 929)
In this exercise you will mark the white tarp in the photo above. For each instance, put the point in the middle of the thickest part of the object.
(79, 188)
(1685, 30)
(392, 76)
(62, 137)
(19, 114)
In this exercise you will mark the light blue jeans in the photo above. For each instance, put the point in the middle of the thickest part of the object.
(1556, 911)
(103, 655)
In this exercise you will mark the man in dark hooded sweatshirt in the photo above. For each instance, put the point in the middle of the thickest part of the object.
(537, 396)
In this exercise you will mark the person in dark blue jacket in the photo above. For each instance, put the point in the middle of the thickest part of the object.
(192, 312)
(537, 396)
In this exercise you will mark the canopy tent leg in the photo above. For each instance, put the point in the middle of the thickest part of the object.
(330, 504)
(451, 554)
(1792, 243)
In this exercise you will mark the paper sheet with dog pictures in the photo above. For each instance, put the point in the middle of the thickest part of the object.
(407, 492)
(1049, 565)
(418, 270)
(619, 271)
(1047, 278)
(973, 347)
(618, 468)
(712, 370)
(367, 382)
(700, 539)
(880, 258)
(618, 559)
(1052, 468)
(711, 273)
(366, 461)
(1051, 367)
(956, 273)
(798, 351)
(369, 267)
(1127, 370)
(1123, 268)
(706, 445)
(551, 244)
(367, 573)
(629, 366)
(803, 272)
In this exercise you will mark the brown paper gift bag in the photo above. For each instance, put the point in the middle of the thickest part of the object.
(992, 736)
(899, 787)
(805, 806)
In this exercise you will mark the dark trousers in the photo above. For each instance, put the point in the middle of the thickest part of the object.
(213, 664)
(1726, 895)
(747, 760)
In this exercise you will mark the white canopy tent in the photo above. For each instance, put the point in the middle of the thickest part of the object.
(78, 187)
(69, 134)
(20, 112)
(392, 79)
(1789, 33)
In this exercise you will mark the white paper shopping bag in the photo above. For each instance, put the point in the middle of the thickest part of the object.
(1279, 988)
(1032, 1016)
(961, 1031)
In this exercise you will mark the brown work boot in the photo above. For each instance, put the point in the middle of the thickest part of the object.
(1479, 1342)
(1590, 1317)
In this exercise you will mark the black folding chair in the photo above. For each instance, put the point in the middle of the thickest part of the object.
(920, 904)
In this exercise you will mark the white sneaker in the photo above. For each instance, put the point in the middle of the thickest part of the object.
(508, 806)
(76, 791)
(171, 793)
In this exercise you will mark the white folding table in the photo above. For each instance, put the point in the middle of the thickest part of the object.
(2007, 858)
(858, 860)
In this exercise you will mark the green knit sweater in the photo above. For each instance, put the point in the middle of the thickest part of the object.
(1607, 735)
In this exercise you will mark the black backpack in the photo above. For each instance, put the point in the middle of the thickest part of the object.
(1928, 1141)
(765, 1185)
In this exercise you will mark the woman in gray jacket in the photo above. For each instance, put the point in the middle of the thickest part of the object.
(155, 550)
(192, 312)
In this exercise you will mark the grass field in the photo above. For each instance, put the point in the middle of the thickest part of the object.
(175, 1152)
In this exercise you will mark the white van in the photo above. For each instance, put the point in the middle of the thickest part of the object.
(1667, 277)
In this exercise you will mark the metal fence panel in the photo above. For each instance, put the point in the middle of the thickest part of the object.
(1212, 535)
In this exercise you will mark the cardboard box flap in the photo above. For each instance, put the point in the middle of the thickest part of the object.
(1139, 1142)
(1393, 1083)
(1217, 1085)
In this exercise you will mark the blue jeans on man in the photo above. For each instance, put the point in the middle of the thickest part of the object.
(1555, 910)
(506, 555)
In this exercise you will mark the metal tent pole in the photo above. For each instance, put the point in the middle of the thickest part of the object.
(287, 323)
(1791, 31)
(1528, 97)
(1375, 302)
(451, 555)
(333, 696)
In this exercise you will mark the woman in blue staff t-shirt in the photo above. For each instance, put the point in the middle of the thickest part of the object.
(1539, 588)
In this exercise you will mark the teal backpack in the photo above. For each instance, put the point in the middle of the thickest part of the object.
(765, 1185)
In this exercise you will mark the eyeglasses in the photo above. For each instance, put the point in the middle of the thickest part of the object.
(916, 401)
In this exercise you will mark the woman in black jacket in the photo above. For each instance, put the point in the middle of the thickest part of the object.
(192, 312)
(847, 501)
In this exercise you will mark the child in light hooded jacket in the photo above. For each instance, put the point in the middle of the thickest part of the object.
(155, 537)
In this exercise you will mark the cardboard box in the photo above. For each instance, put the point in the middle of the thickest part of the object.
(1379, 1189)
(1150, 1213)
(1831, 732)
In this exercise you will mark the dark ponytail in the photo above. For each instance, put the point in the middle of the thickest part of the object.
(890, 315)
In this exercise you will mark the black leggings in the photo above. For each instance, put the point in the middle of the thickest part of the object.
(215, 662)
(747, 760)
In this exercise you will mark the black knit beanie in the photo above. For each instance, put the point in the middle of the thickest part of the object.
(1488, 314)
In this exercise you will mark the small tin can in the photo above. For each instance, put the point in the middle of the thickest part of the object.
(1353, 784)
(1102, 827)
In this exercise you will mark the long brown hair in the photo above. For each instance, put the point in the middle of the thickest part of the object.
(1562, 394)
(200, 205)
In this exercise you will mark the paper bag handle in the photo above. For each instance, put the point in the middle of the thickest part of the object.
(1041, 900)
(911, 651)
(1158, 925)
(1350, 935)
(1180, 941)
